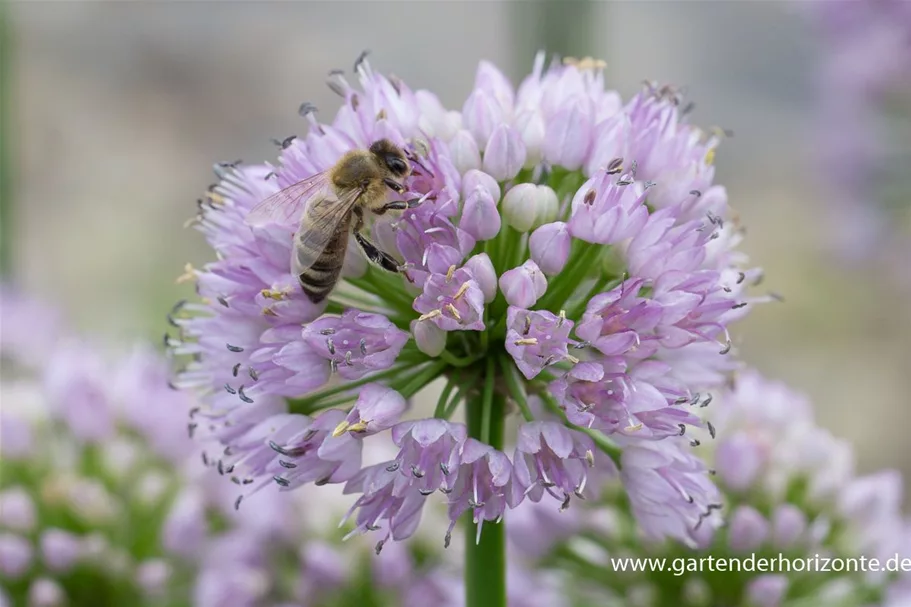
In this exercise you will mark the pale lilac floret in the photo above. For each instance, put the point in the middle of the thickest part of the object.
(482, 485)
(452, 301)
(389, 501)
(550, 457)
(604, 212)
(355, 343)
(549, 246)
(429, 452)
(537, 339)
(524, 285)
(377, 408)
(618, 320)
(669, 490)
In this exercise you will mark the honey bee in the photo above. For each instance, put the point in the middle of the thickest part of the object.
(334, 203)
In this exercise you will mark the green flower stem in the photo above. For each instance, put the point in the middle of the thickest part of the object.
(440, 409)
(458, 361)
(311, 402)
(602, 442)
(516, 390)
(583, 257)
(485, 561)
(416, 382)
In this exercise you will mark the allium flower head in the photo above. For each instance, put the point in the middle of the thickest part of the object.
(557, 244)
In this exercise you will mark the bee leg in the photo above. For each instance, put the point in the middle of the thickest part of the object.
(401, 205)
(394, 185)
(381, 258)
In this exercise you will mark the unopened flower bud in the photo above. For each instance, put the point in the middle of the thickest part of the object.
(479, 215)
(45, 592)
(550, 246)
(523, 286)
(748, 529)
(504, 154)
(153, 575)
(568, 137)
(15, 555)
(430, 339)
(547, 204)
(491, 80)
(520, 206)
(464, 152)
(738, 461)
(530, 125)
(789, 523)
(766, 590)
(485, 275)
(435, 121)
(474, 179)
(17, 512)
(59, 549)
(481, 114)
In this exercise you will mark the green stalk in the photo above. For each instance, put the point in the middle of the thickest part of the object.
(514, 384)
(485, 561)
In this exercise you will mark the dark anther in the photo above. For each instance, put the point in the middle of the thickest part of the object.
(269, 176)
(285, 464)
(688, 108)
(706, 402)
(229, 389)
(681, 400)
(329, 331)
(565, 503)
(392, 467)
(330, 346)
(253, 374)
(221, 468)
(306, 108)
(711, 429)
(229, 469)
(379, 547)
(444, 468)
(740, 305)
(695, 442)
(741, 276)
(447, 539)
(237, 502)
(682, 429)
(348, 358)
(695, 398)
(590, 197)
(244, 397)
(247, 481)
(321, 481)
(191, 428)
(527, 328)
(235, 480)
(363, 346)
(282, 481)
(415, 472)
(425, 492)
(235, 369)
(221, 299)
(615, 166)
(205, 459)
(234, 348)
(194, 411)
(727, 347)
(360, 59)
(295, 452)
(695, 193)
(333, 366)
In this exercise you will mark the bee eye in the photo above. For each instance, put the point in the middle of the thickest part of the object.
(396, 165)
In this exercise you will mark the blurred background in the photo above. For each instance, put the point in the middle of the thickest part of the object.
(119, 110)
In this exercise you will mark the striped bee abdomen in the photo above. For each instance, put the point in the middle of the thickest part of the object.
(320, 277)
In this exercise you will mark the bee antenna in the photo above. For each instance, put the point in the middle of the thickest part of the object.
(306, 108)
(360, 59)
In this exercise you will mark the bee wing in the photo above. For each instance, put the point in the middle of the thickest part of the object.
(325, 212)
(285, 205)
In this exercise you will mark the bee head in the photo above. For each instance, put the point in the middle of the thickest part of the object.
(392, 157)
